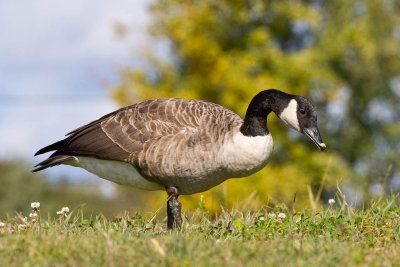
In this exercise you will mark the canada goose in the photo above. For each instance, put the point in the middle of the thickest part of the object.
(179, 145)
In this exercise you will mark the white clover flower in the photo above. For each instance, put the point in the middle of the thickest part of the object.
(25, 219)
(65, 209)
(2, 225)
(331, 201)
(33, 215)
(35, 205)
(261, 218)
(282, 216)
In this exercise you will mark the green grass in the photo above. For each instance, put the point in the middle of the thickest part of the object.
(333, 236)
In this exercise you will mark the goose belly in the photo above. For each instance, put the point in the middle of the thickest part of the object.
(115, 171)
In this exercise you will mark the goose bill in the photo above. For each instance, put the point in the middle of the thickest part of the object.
(314, 135)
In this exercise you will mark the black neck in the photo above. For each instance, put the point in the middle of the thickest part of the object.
(254, 126)
(255, 121)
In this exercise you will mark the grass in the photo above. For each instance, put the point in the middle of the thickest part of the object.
(336, 235)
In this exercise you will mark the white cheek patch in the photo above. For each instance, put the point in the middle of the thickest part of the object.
(289, 115)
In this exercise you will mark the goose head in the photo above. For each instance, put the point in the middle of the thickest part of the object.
(298, 113)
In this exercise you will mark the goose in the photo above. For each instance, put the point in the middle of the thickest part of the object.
(181, 146)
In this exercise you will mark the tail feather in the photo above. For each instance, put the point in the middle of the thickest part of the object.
(55, 146)
(52, 161)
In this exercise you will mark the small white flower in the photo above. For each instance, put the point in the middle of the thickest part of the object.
(271, 215)
(298, 220)
(25, 219)
(65, 209)
(2, 225)
(331, 201)
(33, 215)
(35, 205)
(282, 216)
(261, 218)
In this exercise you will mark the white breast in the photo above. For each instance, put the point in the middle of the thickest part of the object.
(243, 155)
(115, 171)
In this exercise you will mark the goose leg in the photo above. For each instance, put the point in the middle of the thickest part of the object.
(173, 208)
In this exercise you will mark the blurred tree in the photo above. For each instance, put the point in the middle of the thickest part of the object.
(360, 45)
(344, 55)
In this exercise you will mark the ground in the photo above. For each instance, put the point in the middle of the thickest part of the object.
(333, 235)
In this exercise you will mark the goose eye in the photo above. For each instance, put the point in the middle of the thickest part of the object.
(302, 111)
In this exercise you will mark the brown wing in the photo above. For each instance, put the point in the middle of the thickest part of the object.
(122, 134)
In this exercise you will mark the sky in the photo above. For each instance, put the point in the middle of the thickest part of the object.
(55, 59)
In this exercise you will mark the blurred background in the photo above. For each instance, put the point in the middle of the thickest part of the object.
(64, 64)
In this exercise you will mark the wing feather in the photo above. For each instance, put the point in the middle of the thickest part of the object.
(122, 134)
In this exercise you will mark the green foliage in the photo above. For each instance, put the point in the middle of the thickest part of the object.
(331, 236)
